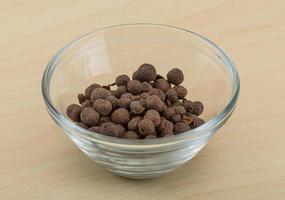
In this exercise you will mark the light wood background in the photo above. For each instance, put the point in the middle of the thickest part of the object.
(245, 160)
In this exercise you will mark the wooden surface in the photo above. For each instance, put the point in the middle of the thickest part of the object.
(245, 160)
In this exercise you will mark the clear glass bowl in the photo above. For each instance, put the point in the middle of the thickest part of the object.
(210, 76)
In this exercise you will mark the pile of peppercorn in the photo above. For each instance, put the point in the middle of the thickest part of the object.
(146, 107)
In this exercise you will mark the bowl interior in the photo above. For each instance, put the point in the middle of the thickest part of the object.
(102, 55)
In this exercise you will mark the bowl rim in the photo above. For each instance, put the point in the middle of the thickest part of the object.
(64, 122)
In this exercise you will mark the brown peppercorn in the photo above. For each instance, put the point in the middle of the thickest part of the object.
(124, 102)
(177, 103)
(89, 116)
(198, 108)
(135, 97)
(176, 118)
(103, 120)
(127, 95)
(87, 103)
(90, 89)
(150, 137)
(181, 91)
(146, 127)
(111, 129)
(168, 112)
(99, 93)
(146, 72)
(103, 107)
(165, 125)
(136, 107)
(187, 105)
(196, 122)
(122, 80)
(105, 127)
(135, 75)
(95, 129)
(166, 133)
(144, 95)
(82, 125)
(157, 92)
(130, 135)
(153, 116)
(113, 100)
(113, 92)
(187, 118)
(175, 76)
(73, 112)
(134, 87)
(81, 98)
(120, 116)
(162, 84)
(171, 95)
(158, 76)
(133, 123)
(181, 127)
(118, 130)
(179, 110)
(120, 91)
(168, 103)
(154, 102)
(146, 87)
(143, 102)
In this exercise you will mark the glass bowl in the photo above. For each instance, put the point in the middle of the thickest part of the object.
(210, 77)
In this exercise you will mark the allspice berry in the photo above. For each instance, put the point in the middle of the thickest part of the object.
(146, 127)
(130, 135)
(111, 129)
(154, 102)
(146, 72)
(176, 103)
(122, 80)
(165, 125)
(73, 112)
(171, 95)
(179, 110)
(113, 100)
(86, 103)
(181, 127)
(120, 91)
(176, 118)
(153, 116)
(168, 112)
(198, 108)
(120, 116)
(196, 122)
(89, 116)
(127, 95)
(175, 76)
(124, 102)
(136, 107)
(82, 125)
(95, 129)
(166, 133)
(146, 87)
(144, 95)
(187, 118)
(134, 87)
(188, 105)
(81, 98)
(90, 89)
(133, 123)
(99, 93)
(157, 92)
(150, 137)
(181, 91)
(103, 107)
(162, 84)
(103, 119)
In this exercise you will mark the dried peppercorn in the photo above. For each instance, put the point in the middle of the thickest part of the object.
(146, 72)
(198, 108)
(146, 87)
(113, 100)
(196, 122)
(99, 93)
(122, 80)
(168, 112)
(124, 102)
(82, 125)
(181, 127)
(162, 84)
(175, 76)
(86, 103)
(153, 116)
(103, 119)
(136, 107)
(157, 92)
(135, 75)
(179, 110)
(90, 89)
(120, 116)
(187, 105)
(154, 102)
(130, 135)
(146, 127)
(187, 118)
(73, 112)
(166, 133)
(176, 118)
(133, 123)
(165, 125)
(89, 116)
(144, 95)
(102, 106)
(134, 87)
(81, 98)
(95, 129)
(120, 91)
(150, 137)
(181, 91)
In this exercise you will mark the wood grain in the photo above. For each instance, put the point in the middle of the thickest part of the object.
(245, 160)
